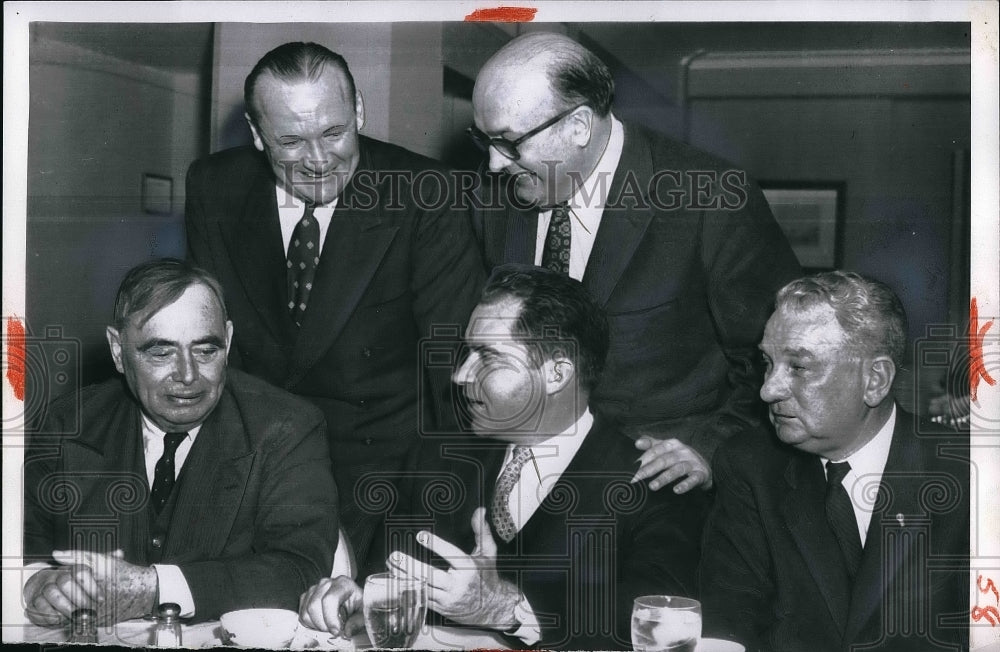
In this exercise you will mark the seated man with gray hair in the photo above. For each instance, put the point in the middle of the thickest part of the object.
(850, 529)
(183, 481)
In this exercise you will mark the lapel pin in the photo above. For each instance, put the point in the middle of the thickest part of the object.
(899, 519)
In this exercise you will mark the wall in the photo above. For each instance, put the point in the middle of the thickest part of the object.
(96, 124)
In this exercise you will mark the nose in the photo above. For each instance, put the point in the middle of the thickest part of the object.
(186, 369)
(497, 160)
(463, 375)
(775, 388)
(317, 157)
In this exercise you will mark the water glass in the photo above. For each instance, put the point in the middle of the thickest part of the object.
(665, 622)
(394, 609)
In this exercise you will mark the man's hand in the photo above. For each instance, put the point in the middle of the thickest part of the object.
(129, 590)
(53, 594)
(333, 605)
(470, 591)
(672, 460)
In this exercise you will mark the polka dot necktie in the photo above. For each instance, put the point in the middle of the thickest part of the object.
(164, 475)
(503, 523)
(303, 258)
(555, 253)
(840, 514)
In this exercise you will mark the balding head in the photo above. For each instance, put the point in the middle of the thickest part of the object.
(548, 81)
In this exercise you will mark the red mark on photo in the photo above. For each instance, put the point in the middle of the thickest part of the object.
(989, 613)
(15, 356)
(990, 586)
(503, 15)
(977, 366)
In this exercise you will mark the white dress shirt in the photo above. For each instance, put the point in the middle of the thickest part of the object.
(290, 210)
(548, 462)
(586, 206)
(867, 465)
(173, 587)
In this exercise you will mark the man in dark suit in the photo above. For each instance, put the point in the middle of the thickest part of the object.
(184, 483)
(679, 248)
(337, 262)
(561, 541)
(850, 530)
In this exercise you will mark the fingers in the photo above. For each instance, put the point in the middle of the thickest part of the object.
(451, 553)
(404, 565)
(330, 604)
(658, 457)
(670, 460)
(486, 546)
(51, 596)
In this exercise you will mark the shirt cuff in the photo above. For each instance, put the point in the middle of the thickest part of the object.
(174, 588)
(528, 629)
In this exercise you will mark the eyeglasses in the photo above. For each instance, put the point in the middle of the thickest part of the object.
(509, 147)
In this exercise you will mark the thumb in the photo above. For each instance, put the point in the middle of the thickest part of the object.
(485, 545)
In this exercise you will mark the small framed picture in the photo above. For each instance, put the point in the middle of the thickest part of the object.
(157, 194)
(810, 216)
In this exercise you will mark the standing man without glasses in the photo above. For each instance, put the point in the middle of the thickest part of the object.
(335, 264)
(544, 540)
(182, 482)
(681, 249)
(850, 530)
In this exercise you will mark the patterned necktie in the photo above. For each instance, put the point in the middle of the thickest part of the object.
(840, 515)
(303, 258)
(164, 474)
(502, 521)
(555, 253)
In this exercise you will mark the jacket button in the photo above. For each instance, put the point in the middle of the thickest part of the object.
(368, 442)
(157, 542)
(366, 352)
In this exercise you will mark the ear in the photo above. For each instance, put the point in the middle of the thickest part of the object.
(560, 373)
(229, 336)
(257, 142)
(115, 344)
(359, 109)
(581, 122)
(879, 376)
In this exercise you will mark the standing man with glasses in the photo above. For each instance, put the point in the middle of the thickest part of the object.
(336, 264)
(678, 247)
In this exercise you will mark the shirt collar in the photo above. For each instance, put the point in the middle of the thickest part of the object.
(287, 200)
(870, 459)
(551, 456)
(151, 430)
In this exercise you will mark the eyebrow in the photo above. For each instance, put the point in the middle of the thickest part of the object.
(211, 339)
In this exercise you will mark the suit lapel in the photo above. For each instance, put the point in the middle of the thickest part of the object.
(880, 566)
(622, 223)
(212, 486)
(521, 235)
(803, 511)
(355, 244)
(255, 247)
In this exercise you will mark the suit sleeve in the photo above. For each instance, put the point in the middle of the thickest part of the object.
(735, 575)
(294, 530)
(747, 259)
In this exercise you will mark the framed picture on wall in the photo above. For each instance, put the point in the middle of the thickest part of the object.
(810, 214)
(157, 194)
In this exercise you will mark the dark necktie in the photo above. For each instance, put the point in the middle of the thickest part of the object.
(503, 523)
(555, 253)
(840, 514)
(163, 476)
(303, 258)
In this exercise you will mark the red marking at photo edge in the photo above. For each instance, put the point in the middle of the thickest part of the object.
(503, 15)
(15, 356)
(977, 367)
(989, 613)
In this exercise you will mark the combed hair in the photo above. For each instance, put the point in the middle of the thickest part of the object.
(558, 317)
(869, 311)
(290, 62)
(580, 77)
(151, 286)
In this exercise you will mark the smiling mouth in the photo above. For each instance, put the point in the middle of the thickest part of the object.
(184, 398)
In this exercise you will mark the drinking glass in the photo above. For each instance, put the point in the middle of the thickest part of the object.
(665, 622)
(394, 610)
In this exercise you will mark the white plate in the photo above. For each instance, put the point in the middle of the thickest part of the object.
(140, 633)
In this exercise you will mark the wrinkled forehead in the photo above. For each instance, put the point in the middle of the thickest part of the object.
(198, 302)
(812, 328)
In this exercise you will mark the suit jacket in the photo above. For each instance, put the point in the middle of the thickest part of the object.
(771, 574)
(394, 271)
(688, 289)
(254, 519)
(595, 543)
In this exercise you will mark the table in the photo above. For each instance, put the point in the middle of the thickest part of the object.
(138, 633)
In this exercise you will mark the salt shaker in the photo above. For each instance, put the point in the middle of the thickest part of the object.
(168, 625)
(83, 627)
